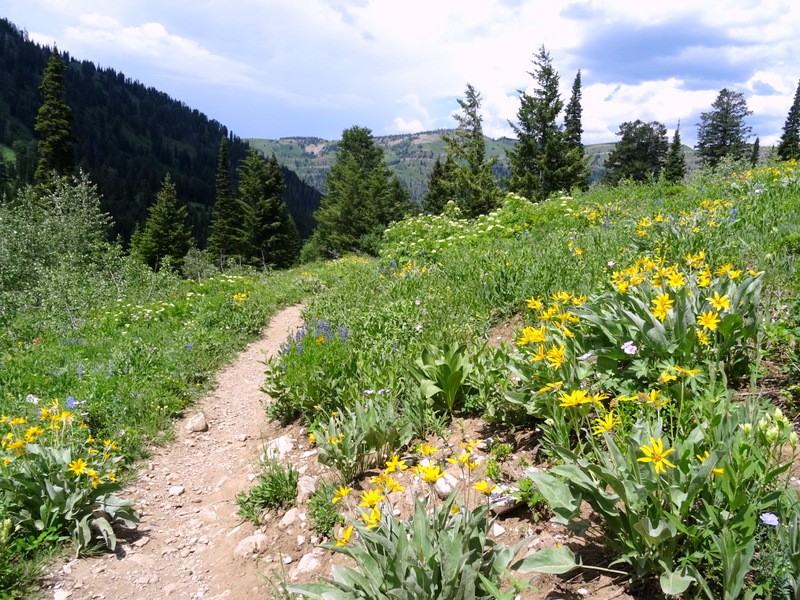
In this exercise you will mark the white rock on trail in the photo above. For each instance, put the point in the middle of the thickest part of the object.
(251, 546)
(306, 486)
(279, 447)
(197, 423)
(310, 563)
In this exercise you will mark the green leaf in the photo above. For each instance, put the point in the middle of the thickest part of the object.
(548, 560)
(673, 583)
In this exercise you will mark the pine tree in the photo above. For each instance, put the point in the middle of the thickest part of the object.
(268, 234)
(573, 128)
(474, 189)
(542, 161)
(53, 123)
(165, 233)
(754, 155)
(789, 146)
(224, 238)
(440, 186)
(722, 132)
(675, 168)
(361, 198)
(639, 154)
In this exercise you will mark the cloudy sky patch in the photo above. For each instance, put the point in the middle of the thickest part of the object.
(275, 68)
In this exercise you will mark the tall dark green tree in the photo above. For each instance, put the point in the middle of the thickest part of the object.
(675, 168)
(268, 234)
(474, 188)
(639, 154)
(440, 186)
(789, 146)
(542, 161)
(755, 154)
(361, 198)
(224, 239)
(165, 233)
(722, 132)
(54, 123)
(573, 127)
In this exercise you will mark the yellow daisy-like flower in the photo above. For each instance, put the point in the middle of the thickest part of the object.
(344, 537)
(606, 423)
(395, 464)
(708, 320)
(656, 454)
(652, 397)
(373, 519)
(562, 296)
(312, 438)
(426, 449)
(676, 280)
(531, 335)
(702, 337)
(539, 354)
(666, 377)
(535, 303)
(575, 397)
(484, 487)
(78, 467)
(371, 498)
(550, 387)
(720, 302)
(689, 372)
(341, 493)
(660, 313)
(555, 355)
(702, 459)
(430, 474)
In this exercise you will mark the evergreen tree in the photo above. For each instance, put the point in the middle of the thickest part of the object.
(573, 126)
(754, 155)
(268, 234)
(639, 154)
(440, 186)
(54, 123)
(722, 132)
(789, 146)
(224, 237)
(474, 189)
(361, 197)
(541, 161)
(675, 168)
(165, 233)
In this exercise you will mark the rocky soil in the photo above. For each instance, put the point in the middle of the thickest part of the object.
(192, 544)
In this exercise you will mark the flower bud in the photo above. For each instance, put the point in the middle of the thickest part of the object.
(772, 434)
(747, 428)
(793, 439)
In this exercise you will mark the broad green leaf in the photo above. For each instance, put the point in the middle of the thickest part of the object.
(673, 583)
(548, 560)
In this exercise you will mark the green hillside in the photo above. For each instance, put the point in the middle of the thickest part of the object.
(410, 155)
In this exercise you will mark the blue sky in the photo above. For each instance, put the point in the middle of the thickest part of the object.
(278, 68)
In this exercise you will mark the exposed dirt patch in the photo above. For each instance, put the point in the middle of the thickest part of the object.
(192, 544)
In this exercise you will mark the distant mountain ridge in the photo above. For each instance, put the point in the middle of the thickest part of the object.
(128, 137)
(410, 155)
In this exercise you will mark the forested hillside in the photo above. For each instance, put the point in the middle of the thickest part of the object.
(128, 136)
(411, 156)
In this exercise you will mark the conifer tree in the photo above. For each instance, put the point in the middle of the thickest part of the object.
(789, 146)
(754, 155)
(165, 233)
(440, 186)
(675, 168)
(474, 189)
(573, 127)
(639, 154)
(722, 131)
(542, 162)
(268, 234)
(361, 198)
(54, 123)
(224, 238)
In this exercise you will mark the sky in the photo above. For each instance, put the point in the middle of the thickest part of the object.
(283, 68)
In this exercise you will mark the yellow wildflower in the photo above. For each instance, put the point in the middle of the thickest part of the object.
(484, 487)
(720, 302)
(78, 466)
(535, 303)
(344, 536)
(708, 320)
(373, 518)
(371, 498)
(395, 464)
(606, 423)
(341, 494)
(426, 449)
(702, 459)
(656, 454)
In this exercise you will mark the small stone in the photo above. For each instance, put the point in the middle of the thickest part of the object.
(176, 490)
(306, 486)
(278, 448)
(442, 488)
(287, 560)
(308, 564)
(288, 519)
(141, 542)
(251, 546)
(498, 530)
(197, 423)
(61, 595)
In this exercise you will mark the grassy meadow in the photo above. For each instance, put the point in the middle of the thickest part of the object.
(648, 315)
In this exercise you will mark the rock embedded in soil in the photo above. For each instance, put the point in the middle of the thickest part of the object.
(197, 423)
(251, 546)
(306, 486)
(278, 448)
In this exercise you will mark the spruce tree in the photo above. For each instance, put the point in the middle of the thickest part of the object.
(722, 131)
(789, 146)
(675, 168)
(54, 124)
(541, 161)
(361, 198)
(440, 186)
(224, 239)
(573, 127)
(267, 234)
(640, 153)
(474, 189)
(165, 233)
(754, 155)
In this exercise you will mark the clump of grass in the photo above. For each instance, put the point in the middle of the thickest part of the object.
(276, 489)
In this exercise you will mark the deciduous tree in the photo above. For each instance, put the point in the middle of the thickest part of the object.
(722, 131)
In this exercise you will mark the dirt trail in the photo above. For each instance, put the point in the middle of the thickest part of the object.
(186, 544)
